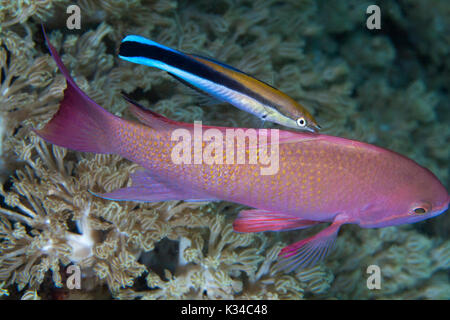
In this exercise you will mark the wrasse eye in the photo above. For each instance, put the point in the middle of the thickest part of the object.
(301, 122)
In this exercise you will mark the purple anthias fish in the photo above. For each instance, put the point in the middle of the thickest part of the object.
(320, 178)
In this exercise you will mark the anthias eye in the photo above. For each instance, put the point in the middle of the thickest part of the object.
(420, 210)
(301, 122)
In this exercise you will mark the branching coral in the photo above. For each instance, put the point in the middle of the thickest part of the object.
(227, 265)
(209, 268)
(28, 90)
(107, 237)
(406, 259)
(40, 200)
(14, 12)
(268, 284)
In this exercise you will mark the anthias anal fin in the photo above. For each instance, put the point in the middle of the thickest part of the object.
(261, 220)
(145, 188)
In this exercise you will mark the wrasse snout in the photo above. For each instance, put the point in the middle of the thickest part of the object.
(315, 128)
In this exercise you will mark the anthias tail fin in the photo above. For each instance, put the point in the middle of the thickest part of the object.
(309, 251)
(261, 220)
(79, 124)
(145, 188)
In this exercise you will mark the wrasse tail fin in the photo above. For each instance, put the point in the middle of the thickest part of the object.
(79, 124)
(261, 220)
(144, 51)
(309, 251)
(148, 189)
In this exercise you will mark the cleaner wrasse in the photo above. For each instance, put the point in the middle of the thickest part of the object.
(220, 81)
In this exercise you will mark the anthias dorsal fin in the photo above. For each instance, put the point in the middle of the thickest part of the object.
(151, 118)
(159, 122)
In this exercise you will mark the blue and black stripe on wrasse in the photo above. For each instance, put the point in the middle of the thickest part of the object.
(220, 81)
